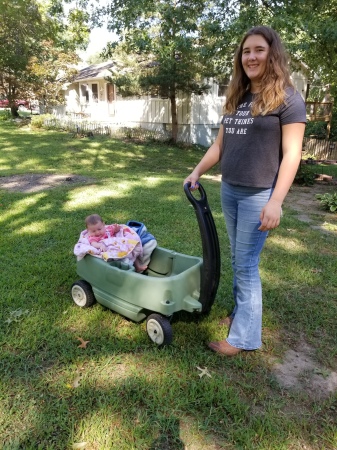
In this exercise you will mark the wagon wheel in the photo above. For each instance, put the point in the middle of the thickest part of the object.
(82, 294)
(159, 329)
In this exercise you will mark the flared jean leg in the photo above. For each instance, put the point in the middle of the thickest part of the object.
(242, 208)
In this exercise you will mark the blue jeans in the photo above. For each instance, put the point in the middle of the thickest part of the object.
(242, 207)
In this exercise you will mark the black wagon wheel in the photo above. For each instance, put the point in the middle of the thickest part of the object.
(159, 329)
(82, 294)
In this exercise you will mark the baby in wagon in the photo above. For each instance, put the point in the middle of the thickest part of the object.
(110, 242)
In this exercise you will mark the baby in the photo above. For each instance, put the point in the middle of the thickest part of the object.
(117, 242)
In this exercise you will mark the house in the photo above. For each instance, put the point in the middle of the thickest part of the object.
(91, 96)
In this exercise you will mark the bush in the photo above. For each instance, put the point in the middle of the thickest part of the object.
(317, 129)
(305, 176)
(329, 201)
(38, 121)
(5, 114)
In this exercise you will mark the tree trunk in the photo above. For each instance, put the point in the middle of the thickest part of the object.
(174, 117)
(14, 111)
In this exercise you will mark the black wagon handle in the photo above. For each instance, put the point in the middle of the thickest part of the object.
(190, 196)
(210, 273)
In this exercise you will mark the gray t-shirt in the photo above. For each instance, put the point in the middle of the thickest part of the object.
(252, 146)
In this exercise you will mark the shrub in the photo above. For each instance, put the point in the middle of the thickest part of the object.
(5, 114)
(305, 176)
(38, 121)
(317, 129)
(329, 201)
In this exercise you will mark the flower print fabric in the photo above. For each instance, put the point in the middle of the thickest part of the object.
(124, 245)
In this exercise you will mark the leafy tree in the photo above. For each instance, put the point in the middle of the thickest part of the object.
(307, 28)
(165, 39)
(28, 31)
(49, 72)
(176, 44)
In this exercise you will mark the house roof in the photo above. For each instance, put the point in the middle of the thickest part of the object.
(94, 71)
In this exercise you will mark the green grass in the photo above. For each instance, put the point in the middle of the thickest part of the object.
(122, 392)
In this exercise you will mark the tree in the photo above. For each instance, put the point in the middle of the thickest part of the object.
(308, 30)
(26, 27)
(49, 72)
(165, 39)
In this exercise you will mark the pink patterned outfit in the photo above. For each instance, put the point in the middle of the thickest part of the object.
(125, 245)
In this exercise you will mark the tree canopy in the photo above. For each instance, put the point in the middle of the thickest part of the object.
(34, 36)
(175, 45)
(165, 39)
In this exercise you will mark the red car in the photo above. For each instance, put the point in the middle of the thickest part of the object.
(4, 103)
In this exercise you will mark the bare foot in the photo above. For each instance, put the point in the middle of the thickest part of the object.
(139, 267)
(227, 321)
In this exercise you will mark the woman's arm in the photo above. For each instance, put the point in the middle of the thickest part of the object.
(292, 138)
(209, 160)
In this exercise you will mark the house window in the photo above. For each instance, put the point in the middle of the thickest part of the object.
(94, 90)
(85, 92)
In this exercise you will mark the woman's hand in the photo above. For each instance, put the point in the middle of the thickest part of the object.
(270, 215)
(193, 179)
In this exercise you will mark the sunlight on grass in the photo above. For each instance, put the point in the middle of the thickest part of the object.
(28, 163)
(92, 196)
(36, 227)
(17, 208)
(329, 226)
(172, 198)
(289, 245)
(154, 181)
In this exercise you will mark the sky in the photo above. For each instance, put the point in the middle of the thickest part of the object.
(98, 39)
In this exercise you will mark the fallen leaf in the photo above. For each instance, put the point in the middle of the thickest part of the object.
(316, 270)
(83, 343)
(204, 372)
(76, 382)
(79, 445)
(17, 315)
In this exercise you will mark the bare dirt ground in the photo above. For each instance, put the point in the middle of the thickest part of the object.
(303, 200)
(31, 183)
(298, 371)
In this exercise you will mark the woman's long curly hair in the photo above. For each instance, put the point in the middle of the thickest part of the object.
(275, 80)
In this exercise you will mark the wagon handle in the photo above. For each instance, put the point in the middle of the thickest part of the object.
(191, 197)
(210, 273)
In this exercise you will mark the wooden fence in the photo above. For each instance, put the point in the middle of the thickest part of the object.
(320, 148)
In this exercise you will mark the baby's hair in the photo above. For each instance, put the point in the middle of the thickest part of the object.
(93, 219)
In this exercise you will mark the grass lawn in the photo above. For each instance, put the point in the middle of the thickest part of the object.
(121, 391)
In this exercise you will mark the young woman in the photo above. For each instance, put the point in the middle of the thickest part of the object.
(259, 144)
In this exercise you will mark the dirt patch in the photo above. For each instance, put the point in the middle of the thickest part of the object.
(31, 183)
(299, 371)
(302, 199)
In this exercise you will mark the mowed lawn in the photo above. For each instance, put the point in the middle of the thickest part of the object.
(121, 391)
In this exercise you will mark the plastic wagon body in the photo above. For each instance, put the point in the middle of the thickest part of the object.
(173, 281)
(172, 284)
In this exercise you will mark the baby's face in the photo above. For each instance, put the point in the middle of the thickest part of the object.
(97, 230)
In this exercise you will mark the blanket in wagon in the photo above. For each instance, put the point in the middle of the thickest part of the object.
(124, 245)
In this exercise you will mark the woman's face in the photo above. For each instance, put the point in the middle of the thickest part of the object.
(255, 51)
